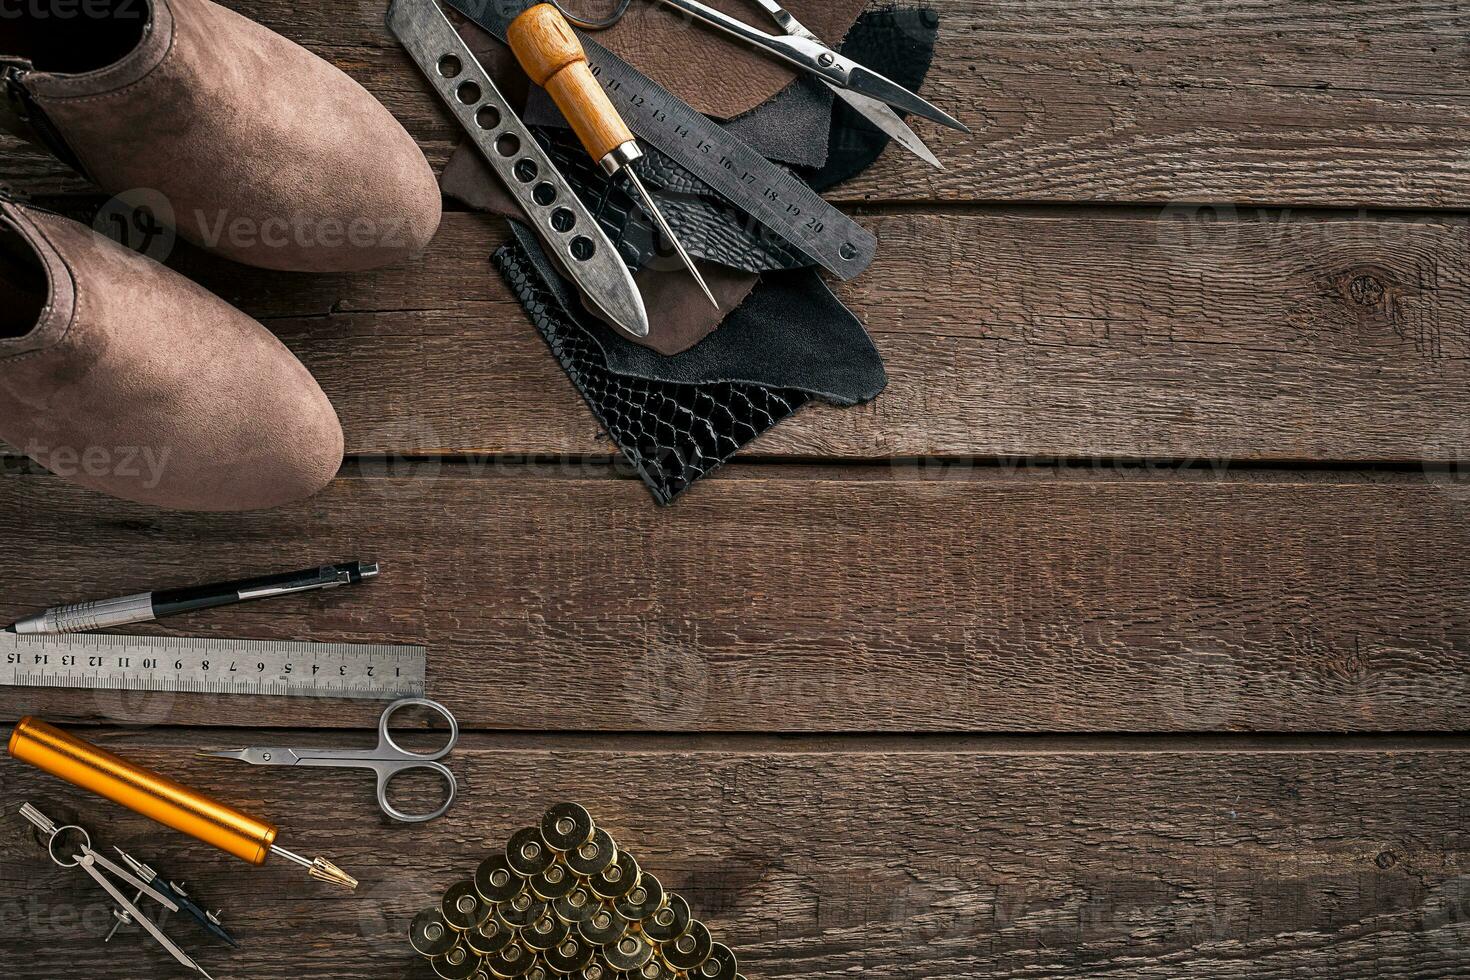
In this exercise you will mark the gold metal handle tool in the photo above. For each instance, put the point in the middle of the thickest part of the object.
(157, 797)
(550, 52)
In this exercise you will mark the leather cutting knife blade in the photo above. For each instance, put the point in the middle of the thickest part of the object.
(573, 238)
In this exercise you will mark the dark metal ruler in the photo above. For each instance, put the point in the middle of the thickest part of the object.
(774, 197)
(110, 661)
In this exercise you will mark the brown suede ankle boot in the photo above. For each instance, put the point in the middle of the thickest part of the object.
(118, 374)
(263, 152)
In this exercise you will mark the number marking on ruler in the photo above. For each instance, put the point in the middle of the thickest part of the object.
(722, 160)
(105, 661)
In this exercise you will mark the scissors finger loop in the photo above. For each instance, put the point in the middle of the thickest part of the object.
(385, 730)
(387, 776)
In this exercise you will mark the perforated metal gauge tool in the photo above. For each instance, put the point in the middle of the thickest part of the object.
(572, 236)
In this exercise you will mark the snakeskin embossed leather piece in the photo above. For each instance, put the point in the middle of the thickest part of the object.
(673, 434)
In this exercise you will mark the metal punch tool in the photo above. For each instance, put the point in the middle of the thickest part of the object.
(874, 96)
(82, 855)
(572, 237)
(389, 760)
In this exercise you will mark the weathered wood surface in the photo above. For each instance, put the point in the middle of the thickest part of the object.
(1050, 333)
(1015, 333)
(893, 860)
(908, 602)
(1336, 104)
(1182, 333)
(780, 600)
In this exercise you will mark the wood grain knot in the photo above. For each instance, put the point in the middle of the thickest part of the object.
(1386, 860)
(1367, 290)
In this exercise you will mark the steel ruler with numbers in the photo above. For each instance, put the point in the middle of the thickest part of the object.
(107, 661)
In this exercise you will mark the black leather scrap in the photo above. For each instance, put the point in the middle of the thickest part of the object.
(673, 434)
(790, 127)
(893, 41)
(679, 418)
(790, 332)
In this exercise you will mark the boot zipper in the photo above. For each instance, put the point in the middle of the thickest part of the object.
(13, 114)
(22, 115)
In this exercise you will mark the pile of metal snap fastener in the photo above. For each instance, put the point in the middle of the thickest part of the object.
(565, 901)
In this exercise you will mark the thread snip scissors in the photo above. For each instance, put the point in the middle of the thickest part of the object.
(871, 94)
(389, 760)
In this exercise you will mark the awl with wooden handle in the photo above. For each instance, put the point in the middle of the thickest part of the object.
(550, 52)
(157, 797)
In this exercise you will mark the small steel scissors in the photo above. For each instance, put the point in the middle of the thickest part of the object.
(874, 96)
(389, 760)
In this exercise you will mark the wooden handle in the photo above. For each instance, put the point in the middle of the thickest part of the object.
(552, 55)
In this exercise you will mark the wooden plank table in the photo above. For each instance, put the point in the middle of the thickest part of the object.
(1125, 636)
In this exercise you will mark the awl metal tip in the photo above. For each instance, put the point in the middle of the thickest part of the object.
(704, 287)
(652, 208)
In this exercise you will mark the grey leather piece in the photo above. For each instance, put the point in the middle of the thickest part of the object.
(794, 127)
